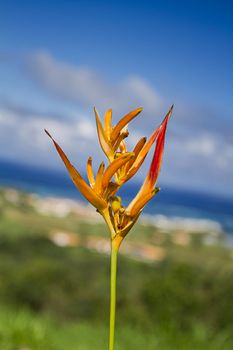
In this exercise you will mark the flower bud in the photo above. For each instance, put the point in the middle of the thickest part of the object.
(116, 204)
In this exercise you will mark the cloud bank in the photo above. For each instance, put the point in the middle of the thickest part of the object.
(199, 149)
(87, 87)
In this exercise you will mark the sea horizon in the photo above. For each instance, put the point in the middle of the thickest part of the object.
(173, 203)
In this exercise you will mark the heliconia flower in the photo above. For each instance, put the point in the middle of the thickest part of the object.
(102, 188)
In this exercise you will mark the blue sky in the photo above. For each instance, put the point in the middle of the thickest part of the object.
(59, 58)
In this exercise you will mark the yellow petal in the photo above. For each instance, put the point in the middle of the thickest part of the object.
(106, 147)
(139, 146)
(115, 166)
(142, 154)
(90, 174)
(119, 141)
(124, 121)
(99, 176)
(86, 191)
(108, 123)
(122, 147)
(136, 151)
(137, 205)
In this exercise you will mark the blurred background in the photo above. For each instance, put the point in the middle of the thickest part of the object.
(57, 61)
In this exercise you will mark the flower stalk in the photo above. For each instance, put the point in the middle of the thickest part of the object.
(101, 190)
(113, 278)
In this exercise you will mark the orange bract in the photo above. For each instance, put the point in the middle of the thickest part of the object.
(102, 188)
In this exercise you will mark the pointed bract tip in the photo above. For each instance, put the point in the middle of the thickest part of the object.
(157, 189)
(46, 131)
(169, 114)
(139, 109)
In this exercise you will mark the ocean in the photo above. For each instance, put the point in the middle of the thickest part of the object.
(169, 202)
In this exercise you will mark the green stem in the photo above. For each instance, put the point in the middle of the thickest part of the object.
(114, 253)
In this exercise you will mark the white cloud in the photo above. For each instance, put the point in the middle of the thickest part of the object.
(86, 87)
(139, 88)
(86, 129)
(204, 145)
(203, 161)
(24, 140)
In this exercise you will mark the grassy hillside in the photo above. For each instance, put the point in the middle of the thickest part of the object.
(178, 296)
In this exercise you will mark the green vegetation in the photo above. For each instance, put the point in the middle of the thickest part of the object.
(25, 330)
(54, 298)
